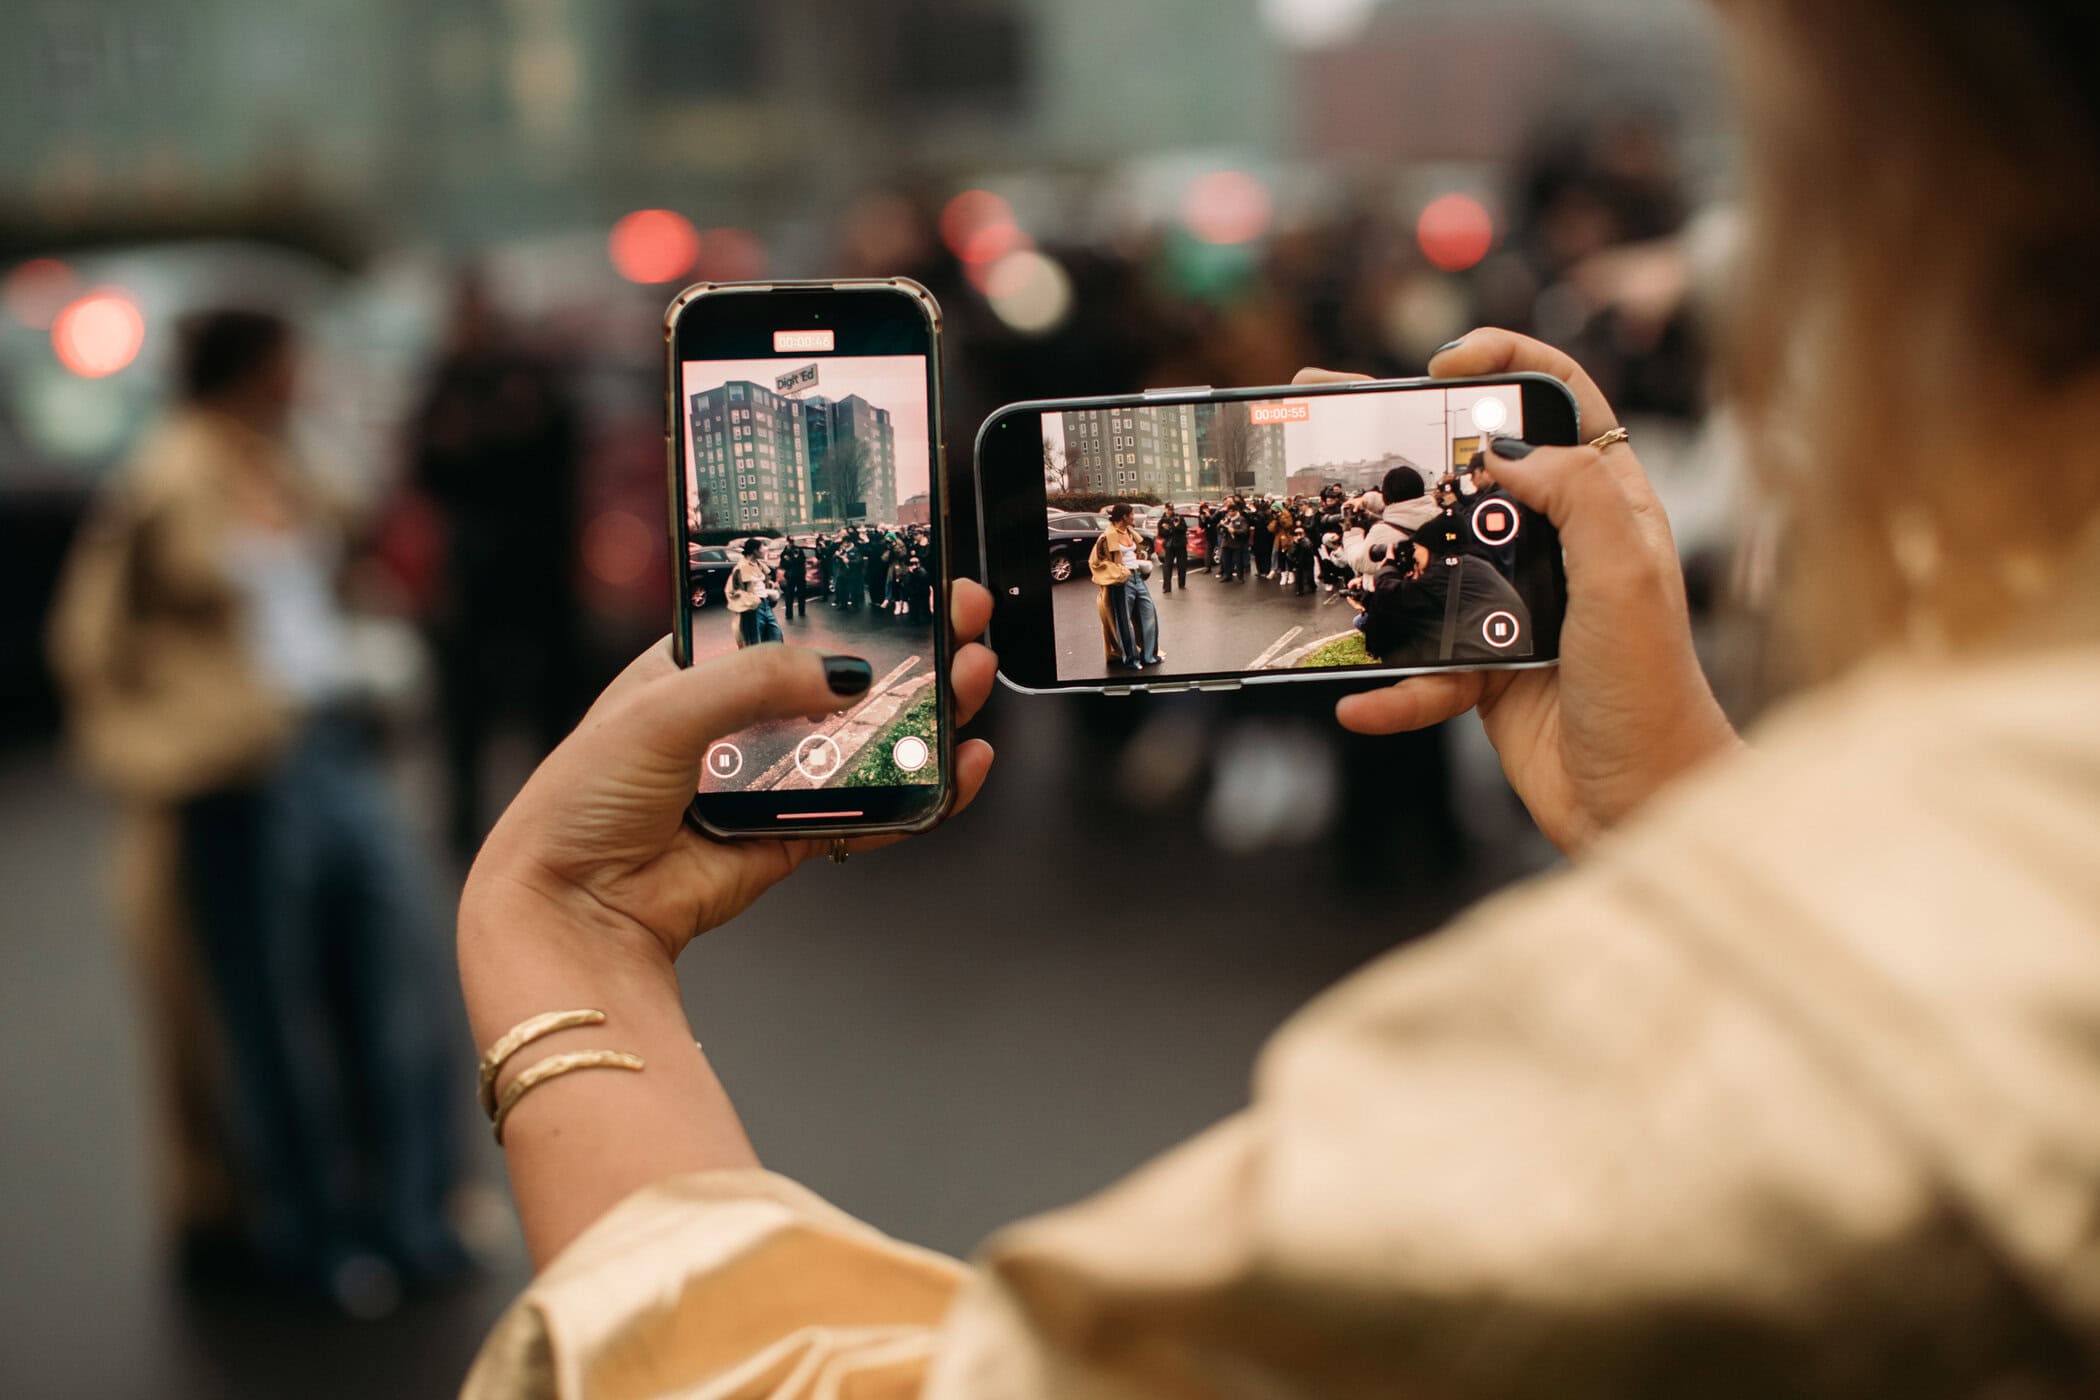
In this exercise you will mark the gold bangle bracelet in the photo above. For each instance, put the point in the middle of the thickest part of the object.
(553, 1067)
(520, 1036)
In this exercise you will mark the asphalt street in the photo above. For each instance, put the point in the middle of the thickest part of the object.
(898, 1033)
(885, 642)
(1208, 626)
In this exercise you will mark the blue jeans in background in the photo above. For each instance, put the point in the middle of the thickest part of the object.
(317, 934)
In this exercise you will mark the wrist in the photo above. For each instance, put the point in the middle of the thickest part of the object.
(526, 946)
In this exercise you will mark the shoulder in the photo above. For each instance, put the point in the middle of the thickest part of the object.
(1848, 980)
(176, 460)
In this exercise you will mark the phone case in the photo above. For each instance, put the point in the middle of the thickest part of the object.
(944, 534)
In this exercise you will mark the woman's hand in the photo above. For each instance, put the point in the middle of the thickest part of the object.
(1628, 709)
(591, 885)
(598, 835)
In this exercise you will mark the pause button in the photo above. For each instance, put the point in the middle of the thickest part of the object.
(1499, 629)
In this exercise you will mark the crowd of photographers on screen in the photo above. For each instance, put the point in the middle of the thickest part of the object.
(889, 572)
(1429, 572)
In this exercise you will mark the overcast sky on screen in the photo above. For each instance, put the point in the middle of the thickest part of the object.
(894, 382)
(1364, 427)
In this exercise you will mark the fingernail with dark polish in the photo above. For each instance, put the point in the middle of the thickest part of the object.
(847, 675)
(1447, 345)
(1514, 449)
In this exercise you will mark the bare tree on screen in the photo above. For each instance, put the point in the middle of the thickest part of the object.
(1231, 441)
(1056, 476)
(845, 474)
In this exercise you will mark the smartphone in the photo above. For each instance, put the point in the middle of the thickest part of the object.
(809, 504)
(1207, 539)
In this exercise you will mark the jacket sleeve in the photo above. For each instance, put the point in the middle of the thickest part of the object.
(1547, 1156)
(1614, 1136)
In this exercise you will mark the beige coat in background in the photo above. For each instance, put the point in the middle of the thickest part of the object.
(163, 700)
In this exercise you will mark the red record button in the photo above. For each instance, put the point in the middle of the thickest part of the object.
(1494, 522)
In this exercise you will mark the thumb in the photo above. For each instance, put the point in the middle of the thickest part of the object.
(1571, 487)
(675, 718)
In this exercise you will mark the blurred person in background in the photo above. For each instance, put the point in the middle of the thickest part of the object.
(1592, 192)
(495, 446)
(205, 655)
(1788, 1085)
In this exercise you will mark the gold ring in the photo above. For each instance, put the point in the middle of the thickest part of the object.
(838, 850)
(1611, 439)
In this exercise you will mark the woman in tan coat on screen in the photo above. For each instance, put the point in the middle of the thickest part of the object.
(1789, 1084)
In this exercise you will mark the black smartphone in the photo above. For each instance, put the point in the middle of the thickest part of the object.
(808, 504)
(1207, 539)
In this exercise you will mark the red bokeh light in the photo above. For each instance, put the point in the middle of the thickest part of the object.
(653, 245)
(35, 291)
(1227, 206)
(993, 242)
(969, 215)
(1455, 232)
(618, 547)
(98, 334)
(731, 255)
(988, 249)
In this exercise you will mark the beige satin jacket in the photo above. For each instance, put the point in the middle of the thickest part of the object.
(1792, 1088)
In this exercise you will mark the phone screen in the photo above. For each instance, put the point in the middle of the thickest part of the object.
(808, 485)
(1302, 533)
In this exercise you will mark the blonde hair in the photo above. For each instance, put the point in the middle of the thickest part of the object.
(1918, 319)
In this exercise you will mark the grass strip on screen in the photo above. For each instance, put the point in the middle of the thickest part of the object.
(875, 768)
(1342, 651)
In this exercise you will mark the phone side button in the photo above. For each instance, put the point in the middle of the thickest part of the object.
(1170, 687)
(1217, 685)
(1118, 690)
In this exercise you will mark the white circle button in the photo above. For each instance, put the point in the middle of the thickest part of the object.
(725, 761)
(1500, 629)
(817, 757)
(911, 753)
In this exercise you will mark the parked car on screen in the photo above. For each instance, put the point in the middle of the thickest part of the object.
(1072, 537)
(1198, 546)
(708, 567)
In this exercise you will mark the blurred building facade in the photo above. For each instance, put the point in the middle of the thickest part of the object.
(471, 120)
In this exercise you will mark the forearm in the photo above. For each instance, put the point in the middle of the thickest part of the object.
(578, 1144)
